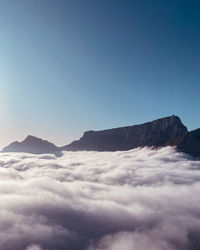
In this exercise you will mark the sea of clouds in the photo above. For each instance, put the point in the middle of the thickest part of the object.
(129, 200)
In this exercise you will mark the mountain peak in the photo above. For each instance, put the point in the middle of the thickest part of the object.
(31, 138)
(32, 144)
(170, 119)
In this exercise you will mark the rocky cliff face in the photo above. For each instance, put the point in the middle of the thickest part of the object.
(162, 132)
(32, 145)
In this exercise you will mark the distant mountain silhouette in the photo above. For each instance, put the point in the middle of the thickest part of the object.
(168, 131)
(32, 145)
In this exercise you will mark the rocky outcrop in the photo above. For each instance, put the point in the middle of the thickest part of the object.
(168, 131)
(32, 145)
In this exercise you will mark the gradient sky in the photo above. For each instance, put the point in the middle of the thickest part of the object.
(67, 66)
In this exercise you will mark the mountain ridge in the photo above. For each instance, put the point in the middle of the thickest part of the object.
(161, 132)
(167, 131)
(32, 144)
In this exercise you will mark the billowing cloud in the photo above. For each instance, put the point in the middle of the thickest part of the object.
(131, 200)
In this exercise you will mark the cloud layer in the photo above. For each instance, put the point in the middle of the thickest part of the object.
(132, 200)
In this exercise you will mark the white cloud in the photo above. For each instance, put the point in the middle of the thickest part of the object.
(34, 247)
(132, 200)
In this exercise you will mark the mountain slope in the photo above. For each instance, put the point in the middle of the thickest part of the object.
(162, 132)
(191, 143)
(32, 145)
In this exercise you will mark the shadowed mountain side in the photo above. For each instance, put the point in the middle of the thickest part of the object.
(191, 143)
(167, 131)
(32, 145)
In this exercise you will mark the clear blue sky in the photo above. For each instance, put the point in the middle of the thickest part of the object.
(67, 66)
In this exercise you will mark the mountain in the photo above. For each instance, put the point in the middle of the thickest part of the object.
(168, 131)
(32, 145)
(191, 143)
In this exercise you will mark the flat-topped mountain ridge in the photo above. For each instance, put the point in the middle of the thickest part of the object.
(167, 131)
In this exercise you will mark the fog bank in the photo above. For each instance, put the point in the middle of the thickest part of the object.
(129, 200)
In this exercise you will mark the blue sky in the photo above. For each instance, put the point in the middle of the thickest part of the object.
(67, 66)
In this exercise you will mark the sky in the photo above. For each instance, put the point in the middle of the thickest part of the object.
(67, 66)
